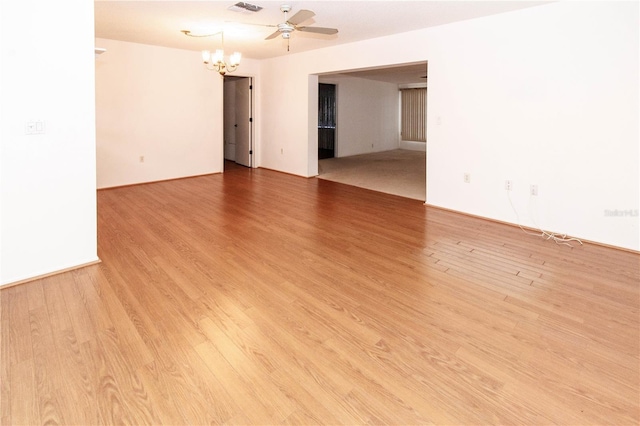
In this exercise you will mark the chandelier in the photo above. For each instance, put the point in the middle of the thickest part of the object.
(214, 61)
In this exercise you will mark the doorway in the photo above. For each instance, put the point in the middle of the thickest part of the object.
(326, 121)
(238, 120)
(371, 143)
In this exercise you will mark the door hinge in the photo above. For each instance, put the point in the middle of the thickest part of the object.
(250, 152)
(251, 87)
(250, 119)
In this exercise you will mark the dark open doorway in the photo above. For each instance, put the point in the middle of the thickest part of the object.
(326, 120)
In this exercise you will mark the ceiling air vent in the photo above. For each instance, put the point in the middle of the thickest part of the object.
(245, 7)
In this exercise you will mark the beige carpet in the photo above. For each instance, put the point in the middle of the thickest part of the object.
(399, 172)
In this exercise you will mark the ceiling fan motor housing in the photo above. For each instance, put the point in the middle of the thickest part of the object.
(285, 27)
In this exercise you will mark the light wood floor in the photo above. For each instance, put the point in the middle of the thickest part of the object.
(255, 297)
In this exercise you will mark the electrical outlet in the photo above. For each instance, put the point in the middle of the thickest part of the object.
(533, 190)
(467, 178)
(142, 158)
(508, 185)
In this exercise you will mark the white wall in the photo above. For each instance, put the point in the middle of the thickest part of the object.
(284, 123)
(159, 103)
(367, 115)
(557, 108)
(546, 95)
(48, 181)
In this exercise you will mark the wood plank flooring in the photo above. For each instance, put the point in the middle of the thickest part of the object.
(255, 297)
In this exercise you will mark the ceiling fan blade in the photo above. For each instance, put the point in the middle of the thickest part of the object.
(273, 35)
(318, 30)
(301, 16)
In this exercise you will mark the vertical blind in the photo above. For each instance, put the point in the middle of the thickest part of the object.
(414, 112)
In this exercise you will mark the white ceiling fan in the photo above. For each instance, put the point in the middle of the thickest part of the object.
(293, 24)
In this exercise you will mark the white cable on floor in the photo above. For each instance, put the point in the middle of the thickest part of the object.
(557, 238)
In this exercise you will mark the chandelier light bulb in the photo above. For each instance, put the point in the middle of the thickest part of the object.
(218, 57)
(234, 59)
(214, 61)
(206, 55)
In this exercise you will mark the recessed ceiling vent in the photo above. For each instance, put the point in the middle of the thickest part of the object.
(245, 7)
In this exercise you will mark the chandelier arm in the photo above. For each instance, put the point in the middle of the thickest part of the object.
(219, 67)
(188, 33)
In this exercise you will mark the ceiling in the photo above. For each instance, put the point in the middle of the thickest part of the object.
(160, 23)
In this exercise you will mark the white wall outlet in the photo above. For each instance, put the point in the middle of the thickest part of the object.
(508, 185)
(281, 150)
(533, 190)
(467, 178)
(142, 158)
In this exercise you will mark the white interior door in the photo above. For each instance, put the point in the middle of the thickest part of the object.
(244, 146)
(229, 120)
